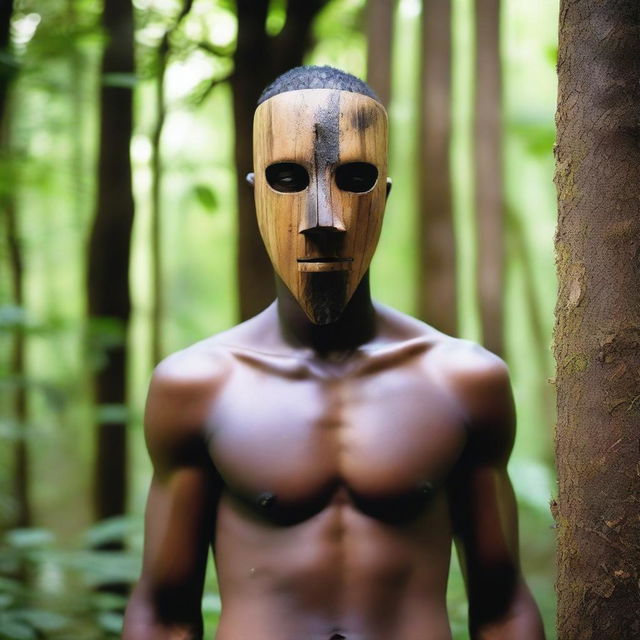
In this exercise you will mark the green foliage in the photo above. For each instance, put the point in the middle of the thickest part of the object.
(47, 590)
(206, 197)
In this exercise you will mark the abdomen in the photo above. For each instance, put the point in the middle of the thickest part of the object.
(339, 571)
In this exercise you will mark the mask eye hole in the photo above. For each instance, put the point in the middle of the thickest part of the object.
(356, 177)
(287, 177)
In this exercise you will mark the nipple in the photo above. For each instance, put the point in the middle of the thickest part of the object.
(425, 488)
(266, 500)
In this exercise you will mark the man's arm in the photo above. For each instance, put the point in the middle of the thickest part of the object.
(484, 510)
(180, 512)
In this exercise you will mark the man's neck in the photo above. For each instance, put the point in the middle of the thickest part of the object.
(354, 327)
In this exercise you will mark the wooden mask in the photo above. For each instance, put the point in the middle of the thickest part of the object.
(320, 162)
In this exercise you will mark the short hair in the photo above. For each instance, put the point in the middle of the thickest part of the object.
(314, 77)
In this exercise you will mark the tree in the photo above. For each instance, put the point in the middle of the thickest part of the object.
(23, 509)
(488, 173)
(156, 187)
(259, 59)
(437, 274)
(109, 302)
(597, 334)
(379, 36)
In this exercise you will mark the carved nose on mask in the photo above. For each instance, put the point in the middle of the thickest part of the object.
(321, 216)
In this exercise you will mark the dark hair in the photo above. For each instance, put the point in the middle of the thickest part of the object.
(312, 77)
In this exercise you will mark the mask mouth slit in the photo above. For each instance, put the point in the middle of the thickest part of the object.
(328, 260)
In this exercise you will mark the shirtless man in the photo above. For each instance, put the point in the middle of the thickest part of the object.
(330, 449)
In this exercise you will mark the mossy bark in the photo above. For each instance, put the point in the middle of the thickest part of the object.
(597, 338)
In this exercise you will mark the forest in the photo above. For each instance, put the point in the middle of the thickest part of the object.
(127, 232)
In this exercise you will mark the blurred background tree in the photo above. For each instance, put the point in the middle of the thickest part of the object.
(107, 265)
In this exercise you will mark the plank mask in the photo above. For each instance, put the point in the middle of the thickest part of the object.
(320, 162)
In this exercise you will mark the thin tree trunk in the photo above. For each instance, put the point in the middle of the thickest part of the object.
(251, 74)
(437, 272)
(108, 257)
(157, 280)
(597, 338)
(6, 68)
(158, 285)
(379, 38)
(22, 509)
(259, 60)
(488, 173)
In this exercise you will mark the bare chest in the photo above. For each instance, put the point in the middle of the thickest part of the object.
(285, 447)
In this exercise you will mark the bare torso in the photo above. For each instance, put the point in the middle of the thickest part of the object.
(330, 487)
(333, 519)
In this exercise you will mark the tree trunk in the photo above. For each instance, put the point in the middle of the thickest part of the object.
(157, 280)
(6, 67)
(597, 338)
(259, 59)
(379, 38)
(158, 285)
(22, 506)
(22, 513)
(251, 74)
(437, 272)
(108, 258)
(488, 173)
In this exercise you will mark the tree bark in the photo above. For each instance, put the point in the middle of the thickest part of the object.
(259, 59)
(597, 338)
(22, 516)
(256, 287)
(158, 285)
(22, 510)
(437, 266)
(6, 69)
(379, 38)
(108, 257)
(488, 173)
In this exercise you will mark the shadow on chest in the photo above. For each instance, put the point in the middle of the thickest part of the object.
(287, 449)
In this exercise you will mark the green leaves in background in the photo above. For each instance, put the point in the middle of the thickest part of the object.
(206, 197)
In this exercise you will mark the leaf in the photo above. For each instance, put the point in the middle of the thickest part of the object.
(42, 620)
(109, 530)
(206, 197)
(109, 413)
(122, 80)
(110, 621)
(105, 601)
(12, 629)
(13, 317)
(6, 600)
(29, 538)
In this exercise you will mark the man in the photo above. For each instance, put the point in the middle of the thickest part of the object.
(330, 449)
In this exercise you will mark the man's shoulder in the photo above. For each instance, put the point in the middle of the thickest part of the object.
(476, 379)
(468, 362)
(204, 362)
(479, 380)
(458, 358)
